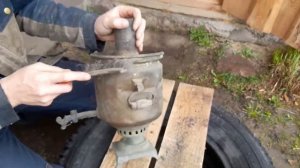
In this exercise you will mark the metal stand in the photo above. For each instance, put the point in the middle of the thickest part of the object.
(133, 148)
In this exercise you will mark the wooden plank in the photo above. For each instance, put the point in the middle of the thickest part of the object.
(239, 8)
(294, 37)
(203, 4)
(287, 16)
(193, 2)
(270, 23)
(261, 13)
(184, 141)
(157, 4)
(152, 134)
(221, 2)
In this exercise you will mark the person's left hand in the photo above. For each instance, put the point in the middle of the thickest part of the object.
(116, 19)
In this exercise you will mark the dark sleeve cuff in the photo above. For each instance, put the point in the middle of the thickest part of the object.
(90, 39)
(7, 114)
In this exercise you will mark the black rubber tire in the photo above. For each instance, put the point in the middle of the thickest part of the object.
(88, 146)
(229, 144)
(234, 145)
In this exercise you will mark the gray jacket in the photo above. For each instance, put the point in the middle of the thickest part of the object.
(43, 18)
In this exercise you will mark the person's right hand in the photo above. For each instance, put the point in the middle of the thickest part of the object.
(39, 84)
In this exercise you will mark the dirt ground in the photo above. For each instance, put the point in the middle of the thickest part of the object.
(184, 61)
(187, 62)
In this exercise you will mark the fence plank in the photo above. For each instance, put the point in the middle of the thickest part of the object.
(270, 23)
(287, 17)
(262, 11)
(205, 4)
(238, 8)
(203, 9)
(294, 37)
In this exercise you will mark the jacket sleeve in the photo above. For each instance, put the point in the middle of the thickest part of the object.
(7, 114)
(46, 18)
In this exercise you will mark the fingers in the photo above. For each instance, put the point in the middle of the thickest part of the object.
(39, 84)
(140, 35)
(44, 67)
(137, 18)
(128, 12)
(59, 88)
(119, 23)
(116, 19)
(47, 95)
(139, 23)
(68, 76)
(108, 26)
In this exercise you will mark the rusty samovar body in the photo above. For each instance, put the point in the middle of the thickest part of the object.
(129, 94)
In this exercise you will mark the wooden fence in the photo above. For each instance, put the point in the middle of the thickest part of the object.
(279, 17)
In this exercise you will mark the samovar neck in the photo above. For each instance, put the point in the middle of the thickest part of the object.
(125, 41)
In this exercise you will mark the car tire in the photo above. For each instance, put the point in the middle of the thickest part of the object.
(230, 144)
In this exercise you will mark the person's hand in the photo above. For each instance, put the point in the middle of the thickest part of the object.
(39, 84)
(116, 19)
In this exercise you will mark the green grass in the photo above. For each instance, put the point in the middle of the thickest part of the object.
(285, 69)
(274, 101)
(234, 83)
(264, 99)
(219, 52)
(257, 112)
(247, 52)
(296, 143)
(182, 77)
(201, 36)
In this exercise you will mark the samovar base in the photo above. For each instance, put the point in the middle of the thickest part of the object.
(133, 148)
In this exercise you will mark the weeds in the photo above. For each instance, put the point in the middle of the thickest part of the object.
(247, 52)
(267, 92)
(183, 77)
(234, 83)
(219, 52)
(285, 71)
(282, 119)
(296, 143)
(274, 101)
(201, 36)
(258, 113)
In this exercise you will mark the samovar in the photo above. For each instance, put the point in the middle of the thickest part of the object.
(128, 89)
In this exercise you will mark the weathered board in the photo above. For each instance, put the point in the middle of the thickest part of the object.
(184, 141)
(294, 37)
(278, 17)
(204, 8)
(264, 14)
(240, 9)
(185, 135)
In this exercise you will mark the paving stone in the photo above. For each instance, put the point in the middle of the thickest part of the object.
(242, 35)
(236, 65)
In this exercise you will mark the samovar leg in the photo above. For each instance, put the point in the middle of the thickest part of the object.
(133, 147)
